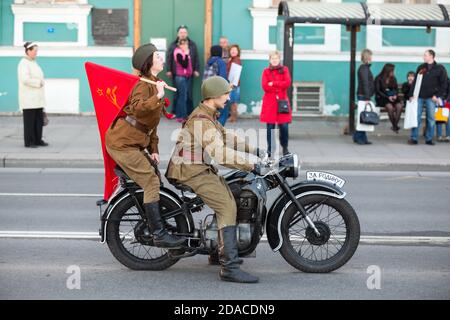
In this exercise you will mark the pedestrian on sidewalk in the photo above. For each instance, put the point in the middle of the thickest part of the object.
(183, 33)
(31, 96)
(366, 89)
(216, 67)
(132, 140)
(440, 126)
(183, 78)
(434, 86)
(386, 95)
(235, 95)
(276, 80)
(224, 44)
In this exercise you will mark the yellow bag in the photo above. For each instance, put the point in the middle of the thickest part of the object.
(442, 114)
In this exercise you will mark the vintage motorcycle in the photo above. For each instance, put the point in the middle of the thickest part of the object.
(310, 223)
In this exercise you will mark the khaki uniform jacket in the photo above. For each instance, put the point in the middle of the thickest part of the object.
(146, 108)
(204, 144)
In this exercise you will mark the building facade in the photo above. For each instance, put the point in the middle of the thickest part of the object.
(69, 37)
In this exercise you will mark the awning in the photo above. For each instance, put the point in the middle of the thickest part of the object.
(366, 14)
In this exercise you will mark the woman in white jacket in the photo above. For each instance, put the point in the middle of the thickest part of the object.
(31, 96)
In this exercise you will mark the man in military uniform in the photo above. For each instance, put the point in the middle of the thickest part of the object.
(201, 143)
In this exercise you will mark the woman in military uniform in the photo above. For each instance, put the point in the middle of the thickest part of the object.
(132, 141)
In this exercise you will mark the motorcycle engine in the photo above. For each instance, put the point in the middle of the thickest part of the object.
(246, 203)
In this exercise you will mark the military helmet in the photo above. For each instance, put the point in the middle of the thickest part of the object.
(215, 87)
(142, 54)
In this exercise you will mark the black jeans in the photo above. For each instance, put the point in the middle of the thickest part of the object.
(284, 135)
(33, 120)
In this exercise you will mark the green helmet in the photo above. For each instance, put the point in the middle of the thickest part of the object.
(142, 54)
(214, 87)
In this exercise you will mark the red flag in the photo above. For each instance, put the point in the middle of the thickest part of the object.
(110, 90)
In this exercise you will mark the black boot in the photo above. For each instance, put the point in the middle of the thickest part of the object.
(228, 257)
(285, 150)
(161, 238)
(213, 259)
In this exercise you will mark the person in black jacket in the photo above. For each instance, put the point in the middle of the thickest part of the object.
(182, 33)
(386, 94)
(366, 90)
(434, 86)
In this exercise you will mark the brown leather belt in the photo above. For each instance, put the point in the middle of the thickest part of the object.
(141, 127)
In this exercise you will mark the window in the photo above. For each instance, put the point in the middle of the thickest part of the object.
(307, 98)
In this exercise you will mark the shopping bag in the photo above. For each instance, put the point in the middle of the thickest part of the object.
(411, 114)
(441, 115)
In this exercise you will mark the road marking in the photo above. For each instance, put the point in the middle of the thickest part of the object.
(84, 195)
(73, 235)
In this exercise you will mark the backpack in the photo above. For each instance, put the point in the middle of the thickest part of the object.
(211, 70)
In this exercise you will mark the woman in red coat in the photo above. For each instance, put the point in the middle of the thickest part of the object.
(275, 82)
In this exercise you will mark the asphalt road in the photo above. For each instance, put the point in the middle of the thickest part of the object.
(388, 204)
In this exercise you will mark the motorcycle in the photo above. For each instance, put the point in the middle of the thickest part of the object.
(310, 223)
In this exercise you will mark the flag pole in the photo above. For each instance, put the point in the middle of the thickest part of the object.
(153, 82)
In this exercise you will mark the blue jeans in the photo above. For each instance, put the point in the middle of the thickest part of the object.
(224, 113)
(284, 135)
(183, 100)
(360, 136)
(430, 106)
(439, 130)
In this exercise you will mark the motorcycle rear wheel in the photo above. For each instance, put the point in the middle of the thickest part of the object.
(121, 236)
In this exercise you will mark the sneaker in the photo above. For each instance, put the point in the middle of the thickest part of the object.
(412, 142)
(447, 139)
(441, 139)
(430, 143)
(368, 142)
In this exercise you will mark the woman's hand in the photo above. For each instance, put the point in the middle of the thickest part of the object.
(155, 158)
(160, 87)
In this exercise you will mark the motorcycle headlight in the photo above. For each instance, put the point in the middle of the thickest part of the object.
(289, 164)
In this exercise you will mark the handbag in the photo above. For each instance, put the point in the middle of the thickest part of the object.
(369, 117)
(283, 106)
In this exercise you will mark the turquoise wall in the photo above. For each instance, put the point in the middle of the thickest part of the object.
(6, 23)
(50, 32)
(233, 20)
(54, 68)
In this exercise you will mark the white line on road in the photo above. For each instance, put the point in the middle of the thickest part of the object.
(392, 240)
(85, 195)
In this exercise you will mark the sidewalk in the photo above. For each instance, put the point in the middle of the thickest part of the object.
(319, 142)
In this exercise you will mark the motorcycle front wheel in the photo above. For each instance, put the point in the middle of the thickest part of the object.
(128, 237)
(339, 229)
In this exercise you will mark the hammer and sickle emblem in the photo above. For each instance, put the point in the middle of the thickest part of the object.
(111, 96)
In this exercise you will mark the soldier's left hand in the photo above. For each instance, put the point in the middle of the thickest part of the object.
(155, 157)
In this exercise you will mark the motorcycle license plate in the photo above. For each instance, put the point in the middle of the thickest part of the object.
(325, 177)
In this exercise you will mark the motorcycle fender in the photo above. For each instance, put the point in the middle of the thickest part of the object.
(279, 206)
(120, 196)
